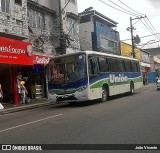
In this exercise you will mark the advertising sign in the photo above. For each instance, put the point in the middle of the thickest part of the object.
(19, 53)
(15, 52)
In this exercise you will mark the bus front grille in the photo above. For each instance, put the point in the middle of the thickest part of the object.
(66, 98)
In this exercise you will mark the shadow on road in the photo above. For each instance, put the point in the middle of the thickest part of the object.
(89, 103)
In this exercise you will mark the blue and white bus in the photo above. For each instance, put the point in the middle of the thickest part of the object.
(90, 75)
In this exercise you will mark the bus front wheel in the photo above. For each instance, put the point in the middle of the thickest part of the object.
(104, 95)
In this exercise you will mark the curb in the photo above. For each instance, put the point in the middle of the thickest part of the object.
(22, 108)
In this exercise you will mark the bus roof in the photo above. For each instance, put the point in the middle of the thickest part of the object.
(96, 53)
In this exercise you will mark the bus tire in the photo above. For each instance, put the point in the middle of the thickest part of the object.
(132, 91)
(104, 94)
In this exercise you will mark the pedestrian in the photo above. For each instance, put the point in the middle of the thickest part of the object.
(1, 97)
(24, 92)
(1, 93)
(19, 78)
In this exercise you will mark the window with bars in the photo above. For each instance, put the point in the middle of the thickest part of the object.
(4, 6)
(36, 19)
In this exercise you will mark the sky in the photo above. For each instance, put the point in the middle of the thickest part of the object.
(150, 8)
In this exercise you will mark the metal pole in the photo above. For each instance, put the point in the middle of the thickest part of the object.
(131, 27)
(61, 29)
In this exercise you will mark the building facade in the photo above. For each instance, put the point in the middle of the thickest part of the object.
(97, 33)
(155, 62)
(67, 23)
(26, 46)
(144, 58)
(13, 48)
(155, 56)
(126, 50)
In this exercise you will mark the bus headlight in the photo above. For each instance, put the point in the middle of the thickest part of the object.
(82, 88)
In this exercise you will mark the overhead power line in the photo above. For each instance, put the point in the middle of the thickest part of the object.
(131, 8)
(143, 36)
(117, 8)
(149, 28)
(153, 27)
(134, 14)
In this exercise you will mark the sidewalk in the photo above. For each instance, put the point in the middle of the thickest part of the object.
(10, 108)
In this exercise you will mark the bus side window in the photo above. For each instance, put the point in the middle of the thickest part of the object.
(121, 65)
(128, 66)
(138, 66)
(103, 64)
(134, 67)
(93, 69)
(113, 65)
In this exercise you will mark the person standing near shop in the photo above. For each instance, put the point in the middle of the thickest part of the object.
(19, 78)
(1, 93)
(23, 92)
(1, 97)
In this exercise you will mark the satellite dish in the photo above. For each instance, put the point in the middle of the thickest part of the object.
(137, 39)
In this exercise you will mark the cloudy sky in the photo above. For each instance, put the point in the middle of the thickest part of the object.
(145, 27)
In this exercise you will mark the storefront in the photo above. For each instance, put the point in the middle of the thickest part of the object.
(16, 56)
(145, 66)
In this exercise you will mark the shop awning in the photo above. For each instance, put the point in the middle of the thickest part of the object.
(145, 64)
(156, 59)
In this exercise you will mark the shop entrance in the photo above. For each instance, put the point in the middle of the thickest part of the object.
(34, 81)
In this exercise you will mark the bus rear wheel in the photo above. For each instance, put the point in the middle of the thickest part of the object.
(104, 95)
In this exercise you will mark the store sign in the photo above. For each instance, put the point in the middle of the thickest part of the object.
(42, 60)
(19, 53)
(15, 52)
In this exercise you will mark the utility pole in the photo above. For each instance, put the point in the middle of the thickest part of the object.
(131, 27)
(62, 47)
(132, 37)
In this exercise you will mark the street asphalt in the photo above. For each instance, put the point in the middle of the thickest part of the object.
(122, 120)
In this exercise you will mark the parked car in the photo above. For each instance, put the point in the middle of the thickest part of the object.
(158, 84)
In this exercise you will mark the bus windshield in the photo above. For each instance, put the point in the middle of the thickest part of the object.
(67, 69)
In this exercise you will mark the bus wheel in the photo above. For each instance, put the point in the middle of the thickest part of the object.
(104, 95)
(131, 88)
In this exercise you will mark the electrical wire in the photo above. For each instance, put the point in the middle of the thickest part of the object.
(142, 37)
(65, 6)
(134, 14)
(116, 8)
(149, 28)
(152, 26)
(141, 14)
(130, 8)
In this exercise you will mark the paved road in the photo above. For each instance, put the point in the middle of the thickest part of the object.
(123, 120)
